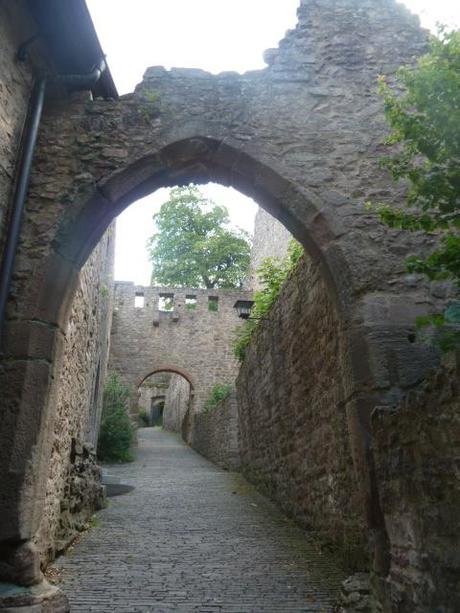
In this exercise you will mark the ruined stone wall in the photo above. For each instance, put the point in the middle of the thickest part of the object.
(294, 434)
(195, 343)
(177, 402)
(15, 85)
(418, 466)
(271, 240)
(73, 489)
(215, 434)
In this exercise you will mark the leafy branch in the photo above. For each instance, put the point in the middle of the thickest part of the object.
(423, 111)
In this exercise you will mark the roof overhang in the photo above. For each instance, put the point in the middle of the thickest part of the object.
(68, 32)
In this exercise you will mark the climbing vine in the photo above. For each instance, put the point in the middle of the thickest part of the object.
(272, 273)
(219, 392)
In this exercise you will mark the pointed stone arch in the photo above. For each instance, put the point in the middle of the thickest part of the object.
(302, 137)
(49, 295)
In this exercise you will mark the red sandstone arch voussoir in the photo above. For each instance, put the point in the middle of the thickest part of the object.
(167, 368)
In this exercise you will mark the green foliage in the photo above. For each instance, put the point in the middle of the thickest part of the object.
(272, 273)
(425, 123)
(144, 418)
(167, 304)
(150, 96)
(213, 305)
(194, 245)
(242, 338)
(219, 392)
(116, 434)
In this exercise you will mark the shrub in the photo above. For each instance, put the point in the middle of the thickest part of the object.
(272, 273)
(116, 433)
(144, 419)
(219, 392)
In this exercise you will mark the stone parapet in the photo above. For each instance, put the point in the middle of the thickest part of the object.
(190, 336)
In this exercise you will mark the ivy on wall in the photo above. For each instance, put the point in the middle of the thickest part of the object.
(272, 273)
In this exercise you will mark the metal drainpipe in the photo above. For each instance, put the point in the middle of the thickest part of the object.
(76, 82)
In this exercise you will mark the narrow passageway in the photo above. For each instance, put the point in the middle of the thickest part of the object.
(192, 537)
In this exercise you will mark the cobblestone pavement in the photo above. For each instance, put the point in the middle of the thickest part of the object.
(192, 537)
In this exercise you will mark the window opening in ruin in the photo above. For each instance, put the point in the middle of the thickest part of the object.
(166, 303)
(139, 300)
(213, 303)
(190, 303)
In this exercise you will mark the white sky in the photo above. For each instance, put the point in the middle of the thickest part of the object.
(215, 35)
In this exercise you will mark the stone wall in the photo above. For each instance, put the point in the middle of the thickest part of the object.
(195, 343)
(15, 84)
(418, 467)
(73, 489)
(215, 434)
(177, 402)
(295, 442)
(271, 240)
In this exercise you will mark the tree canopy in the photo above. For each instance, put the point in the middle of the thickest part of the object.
(195, 246)
(423, 111)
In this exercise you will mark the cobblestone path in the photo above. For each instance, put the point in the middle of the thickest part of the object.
(192, 537)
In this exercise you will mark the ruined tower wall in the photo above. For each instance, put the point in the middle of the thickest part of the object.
(271, 240)
(73, 489)
(196, 343)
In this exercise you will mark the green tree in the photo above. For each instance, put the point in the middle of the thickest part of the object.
(423, 111)
(116, 433)
(194, 245)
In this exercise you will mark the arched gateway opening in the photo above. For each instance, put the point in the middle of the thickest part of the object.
(49, 294)
(298, 148)
(164, 397)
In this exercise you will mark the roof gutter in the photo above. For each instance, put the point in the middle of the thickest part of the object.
(24, 169)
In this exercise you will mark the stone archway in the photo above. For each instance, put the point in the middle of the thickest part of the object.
(169, 369)
(290, 136)
(177, 398)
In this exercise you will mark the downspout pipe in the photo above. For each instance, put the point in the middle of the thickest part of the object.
(24, 169)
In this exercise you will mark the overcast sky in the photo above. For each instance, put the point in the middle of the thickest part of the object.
(215, 35)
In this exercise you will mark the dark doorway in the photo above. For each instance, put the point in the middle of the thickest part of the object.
(156, 412)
